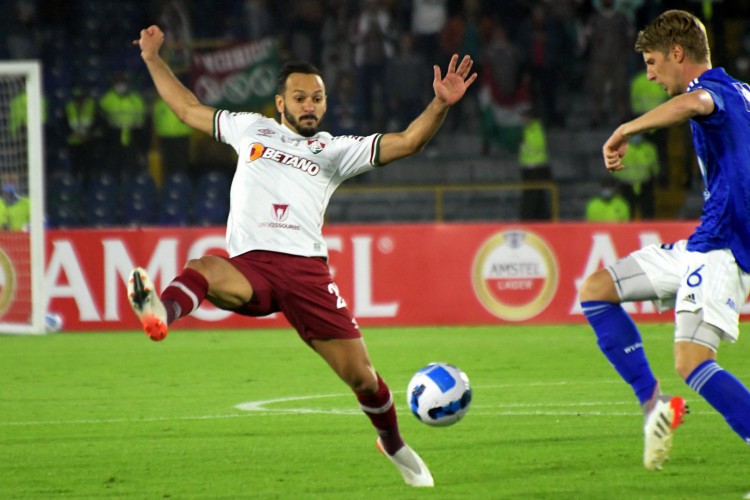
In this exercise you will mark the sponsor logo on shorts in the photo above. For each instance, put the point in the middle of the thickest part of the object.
(732, 305)
(258, 150)
(515, 275)
(689, 298)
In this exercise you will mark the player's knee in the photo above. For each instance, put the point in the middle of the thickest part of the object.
(683, 368)
(688, 356)
(598, 286)
(363, 382)
(201, 265)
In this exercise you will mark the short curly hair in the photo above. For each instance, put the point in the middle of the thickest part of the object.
(675, 27)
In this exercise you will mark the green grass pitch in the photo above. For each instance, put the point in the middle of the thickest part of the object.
(118, 416)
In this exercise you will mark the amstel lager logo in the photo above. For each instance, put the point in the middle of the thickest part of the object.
(7, 282)
(515, 275)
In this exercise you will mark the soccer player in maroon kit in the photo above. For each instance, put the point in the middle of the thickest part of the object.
(278, 260)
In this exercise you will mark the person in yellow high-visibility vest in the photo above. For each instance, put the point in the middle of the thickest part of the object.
(534, 162)
(642, 159)
(607, 206)
(645, 95)
(18, 114)
(15, 210)
(127, 132)
(173, 137)
(84, 133)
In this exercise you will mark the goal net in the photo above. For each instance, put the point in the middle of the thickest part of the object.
(22, 300)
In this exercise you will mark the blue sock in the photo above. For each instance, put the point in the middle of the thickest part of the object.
(619, 340)
(725, 393)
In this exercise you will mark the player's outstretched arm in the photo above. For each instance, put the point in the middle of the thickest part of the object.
(181, 100)
(448, 91)
(673, 112)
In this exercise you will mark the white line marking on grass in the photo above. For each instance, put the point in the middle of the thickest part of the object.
(260, 406)
(86, 421)
(263, 408)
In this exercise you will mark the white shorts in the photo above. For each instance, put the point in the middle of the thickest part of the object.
(674, 278)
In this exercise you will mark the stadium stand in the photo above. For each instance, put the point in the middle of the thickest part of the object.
(84, 42)
(64, 201)
(103, 201)
(138, 195)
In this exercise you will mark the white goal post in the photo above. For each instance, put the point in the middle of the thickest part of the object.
(22, 297)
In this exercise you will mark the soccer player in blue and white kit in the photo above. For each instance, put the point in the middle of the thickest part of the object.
(705, 278)
(286, 173)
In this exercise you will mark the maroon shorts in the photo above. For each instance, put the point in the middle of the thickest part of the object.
(300, 287)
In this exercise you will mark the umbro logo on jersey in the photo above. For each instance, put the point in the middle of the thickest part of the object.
(258, 150)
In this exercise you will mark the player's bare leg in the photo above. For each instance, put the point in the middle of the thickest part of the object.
(350, 360)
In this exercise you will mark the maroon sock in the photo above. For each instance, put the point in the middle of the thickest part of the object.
(379, 408)
(184, 294)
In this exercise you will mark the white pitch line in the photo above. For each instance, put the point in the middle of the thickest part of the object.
(260, 408)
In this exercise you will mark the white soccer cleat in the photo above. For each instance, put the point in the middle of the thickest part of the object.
(147, 305)
(410, 465)
(665, 416)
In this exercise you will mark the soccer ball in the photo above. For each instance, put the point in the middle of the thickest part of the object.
(53, 322)
(439, 394)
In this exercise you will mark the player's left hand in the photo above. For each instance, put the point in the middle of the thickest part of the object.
(452, 88)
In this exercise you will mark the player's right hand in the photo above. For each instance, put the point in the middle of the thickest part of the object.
(614, 149)
(151, 40)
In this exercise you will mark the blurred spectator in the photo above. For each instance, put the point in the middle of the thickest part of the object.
(173, 138)
(175, 21)
(83, 133)
(15, 210)
(504, 92)
(303, 30)
(126, 133)
(542, 36)
(642, 167)
(337, 54)
(23, 37)
(345, 108)
(534, 162)
(644, 96)
(427, 20)
(18, 117)
(610, 39)
(373, 39)
(460, 35)
(258, 21)
(608, 205)
(406, 78)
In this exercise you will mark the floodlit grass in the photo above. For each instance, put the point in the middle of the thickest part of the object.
(118, 416)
